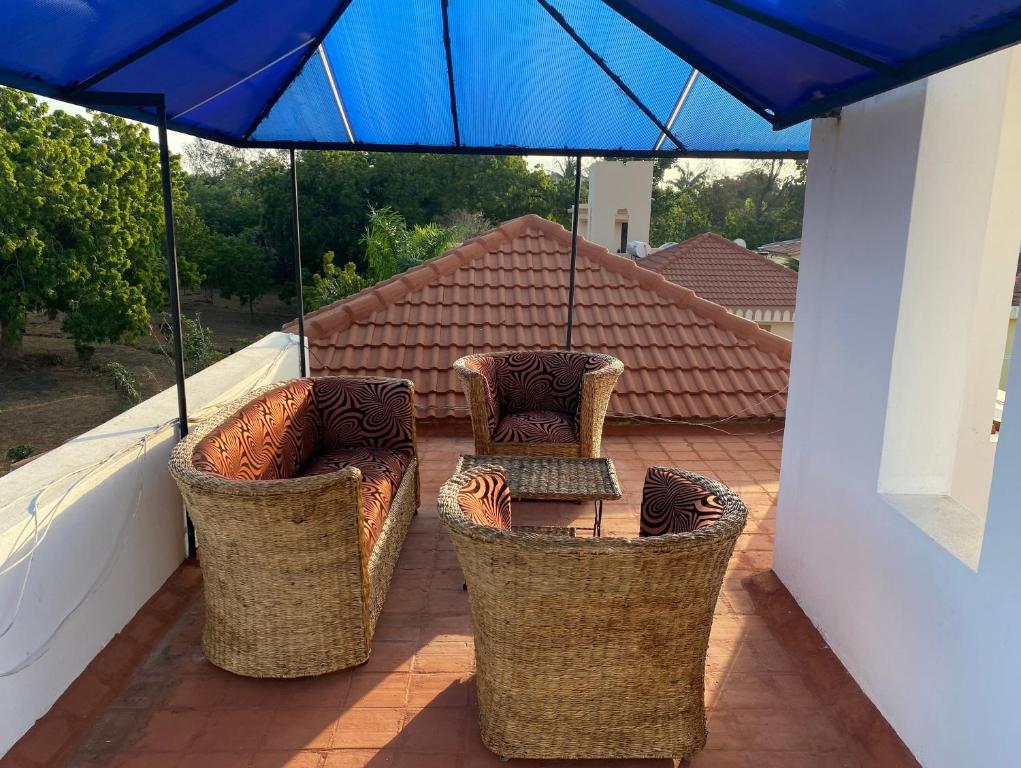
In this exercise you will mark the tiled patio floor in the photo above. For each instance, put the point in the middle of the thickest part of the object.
(777, 695)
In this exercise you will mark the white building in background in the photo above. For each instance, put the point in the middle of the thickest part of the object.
(619, 204)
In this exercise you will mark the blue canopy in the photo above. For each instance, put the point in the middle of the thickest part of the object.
(601, 77)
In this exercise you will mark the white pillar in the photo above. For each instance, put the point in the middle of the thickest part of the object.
(884, 525)
(615, 186)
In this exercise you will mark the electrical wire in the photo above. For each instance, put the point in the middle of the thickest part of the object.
(141, 448)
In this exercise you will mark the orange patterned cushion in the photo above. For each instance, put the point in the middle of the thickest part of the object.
(382, 472)
(671, 503)
(485, 499)
(268, 439)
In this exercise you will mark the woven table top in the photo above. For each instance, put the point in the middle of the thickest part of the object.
(552, 477)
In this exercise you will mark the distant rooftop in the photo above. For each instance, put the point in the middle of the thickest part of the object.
(685, 357)
(722, 271)
(782, 247)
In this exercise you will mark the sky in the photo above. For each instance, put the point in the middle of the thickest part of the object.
(178, 141)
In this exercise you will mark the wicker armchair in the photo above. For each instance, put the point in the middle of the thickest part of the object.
(590, 648)
(301, 495)
(544, 403)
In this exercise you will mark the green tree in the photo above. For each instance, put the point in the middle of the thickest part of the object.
(81, 223)
(760, 205)
(332, 283)
(391, 246)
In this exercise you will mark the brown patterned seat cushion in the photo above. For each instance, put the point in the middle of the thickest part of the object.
(671, 503)
(542, 380)
(536, 427)
(485, 499)
(524, 384)
(365, 411)
(268, 439)
(382, 471)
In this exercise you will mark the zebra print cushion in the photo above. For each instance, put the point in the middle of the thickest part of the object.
(485, 499)
(369, 412)
(382, 472)
(542, 381)
(269, 438)
(673, 504)
(536, 427)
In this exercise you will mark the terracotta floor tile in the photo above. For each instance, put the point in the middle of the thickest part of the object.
(321, 691)
(234, 729)
(378, 689)
(286, 759)
(362, 727)
(435, 730)
(147, 760)
(777, 696)
(390, 657)
(197, 691)
(416, 760)
(171, 731)
(215, 760)
(298, 728)
(438, 690)
(359, 758)
(458, 657)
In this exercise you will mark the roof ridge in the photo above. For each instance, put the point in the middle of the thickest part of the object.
(342, 313)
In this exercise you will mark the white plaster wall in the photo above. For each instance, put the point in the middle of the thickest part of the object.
(929, 632)
(114, 539)
(614, 184)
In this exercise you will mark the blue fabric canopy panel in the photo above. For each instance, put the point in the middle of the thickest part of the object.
(600, 77)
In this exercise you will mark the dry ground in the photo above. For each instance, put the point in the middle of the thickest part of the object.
(47, 397)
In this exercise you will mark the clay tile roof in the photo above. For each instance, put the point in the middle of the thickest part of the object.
(782, 247)
(685, 357)
(720, 270)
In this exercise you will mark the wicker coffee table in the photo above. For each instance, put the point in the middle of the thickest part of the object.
(555, 478)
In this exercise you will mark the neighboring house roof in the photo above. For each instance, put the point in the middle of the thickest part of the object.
(782, 247)
(684, 357)
(720, 270)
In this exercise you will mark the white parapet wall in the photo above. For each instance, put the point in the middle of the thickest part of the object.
(90, 531)
(899, 519)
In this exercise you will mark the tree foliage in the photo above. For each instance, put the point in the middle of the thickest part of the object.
(391, 246)
(332, 283)
(81, 223)
(760, 205)
(237, 191)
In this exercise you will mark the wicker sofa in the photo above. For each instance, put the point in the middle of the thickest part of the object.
(592, 648)
(539, 403)
(301, 495)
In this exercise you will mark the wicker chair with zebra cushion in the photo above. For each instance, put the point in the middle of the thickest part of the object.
(591, 647)
(301, 494)
(539, 403)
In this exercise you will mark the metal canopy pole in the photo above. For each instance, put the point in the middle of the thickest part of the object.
(574, 249)
(175, 293)
(296, 235)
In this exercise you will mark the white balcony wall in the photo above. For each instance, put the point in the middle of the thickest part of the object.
(83, 555)
(888, 534)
